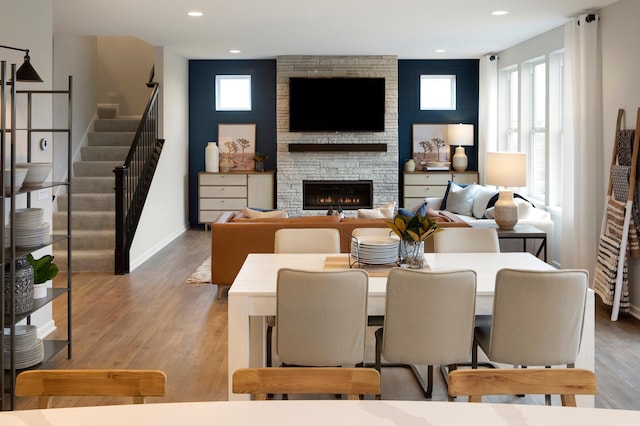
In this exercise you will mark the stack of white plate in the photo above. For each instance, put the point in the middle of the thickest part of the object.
(30, 230)
(37, 174)
(375, 249)
(29, 349)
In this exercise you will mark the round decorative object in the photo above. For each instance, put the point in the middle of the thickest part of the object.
(23, 281)
(211, 157)
(226, 164)
(459, 160)
(410, 165)
(411, 254)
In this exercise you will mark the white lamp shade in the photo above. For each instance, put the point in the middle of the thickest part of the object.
(460, 134)
(507, 169)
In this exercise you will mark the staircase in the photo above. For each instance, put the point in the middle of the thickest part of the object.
(93, 198)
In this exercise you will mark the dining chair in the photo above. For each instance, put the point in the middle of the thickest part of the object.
(428, 320)
(305, 380)
(466, 240)
(537, 318)
(300, 240)
(307, 240)
(566, 382)
(322, 317)
(45, 384)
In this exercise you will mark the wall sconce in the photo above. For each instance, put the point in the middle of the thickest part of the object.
(26, 71)
(461, 135)
(506, 169)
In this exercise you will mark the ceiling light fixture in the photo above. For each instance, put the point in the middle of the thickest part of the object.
(195, 13)
(500, 12)
(440, 50)
(235, 51)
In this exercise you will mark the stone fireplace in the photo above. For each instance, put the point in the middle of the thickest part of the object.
(325, 194)
(378, 166)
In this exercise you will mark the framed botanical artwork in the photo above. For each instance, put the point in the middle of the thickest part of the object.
(237, 146)
(430, 144)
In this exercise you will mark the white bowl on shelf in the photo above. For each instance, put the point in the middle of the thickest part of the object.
(21, 174)
(37, 174)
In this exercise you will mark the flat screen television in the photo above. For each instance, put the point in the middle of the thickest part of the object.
(336, 104)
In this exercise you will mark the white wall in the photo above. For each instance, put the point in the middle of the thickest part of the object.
(620, 33)
(166, 211)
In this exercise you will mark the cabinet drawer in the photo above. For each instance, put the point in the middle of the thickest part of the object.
(223, 204)
(208, 216)
(427, 178)
(465, 178)
(223, 179)
(424, 191)
(223, 192)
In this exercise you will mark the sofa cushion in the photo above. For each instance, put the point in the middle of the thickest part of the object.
(460, 199)
(257, 214)
(421, 210)
(443, 204)
(481, 200)
(383, 212)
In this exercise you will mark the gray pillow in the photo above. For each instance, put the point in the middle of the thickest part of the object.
(460, 200)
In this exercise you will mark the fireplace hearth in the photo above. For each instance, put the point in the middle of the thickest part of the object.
(348, 194)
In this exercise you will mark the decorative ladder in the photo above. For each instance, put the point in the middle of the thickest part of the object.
(617, 229)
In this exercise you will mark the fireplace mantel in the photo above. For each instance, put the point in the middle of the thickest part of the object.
(338, 147)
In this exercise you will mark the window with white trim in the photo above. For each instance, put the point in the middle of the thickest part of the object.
(437, 92)
(233, 93)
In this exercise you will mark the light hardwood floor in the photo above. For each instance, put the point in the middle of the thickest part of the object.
(151, 319)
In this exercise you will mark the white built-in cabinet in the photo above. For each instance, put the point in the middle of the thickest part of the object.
(232, 191)
(418, 185)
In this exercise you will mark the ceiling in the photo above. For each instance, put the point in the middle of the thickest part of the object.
(409, 29)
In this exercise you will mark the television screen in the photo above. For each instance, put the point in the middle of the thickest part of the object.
(336, 104)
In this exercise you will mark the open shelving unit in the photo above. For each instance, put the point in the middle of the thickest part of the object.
(14, 139)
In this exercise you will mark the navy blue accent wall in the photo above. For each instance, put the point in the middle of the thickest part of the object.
(204, 119)
(467, 86)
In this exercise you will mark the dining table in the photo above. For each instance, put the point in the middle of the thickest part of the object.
(252, 298)
(319, 412)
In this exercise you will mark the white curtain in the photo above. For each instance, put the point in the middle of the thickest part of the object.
(583, 197)
(487, 110)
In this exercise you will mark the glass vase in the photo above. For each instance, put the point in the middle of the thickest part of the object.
(23, 280)
(411, 254)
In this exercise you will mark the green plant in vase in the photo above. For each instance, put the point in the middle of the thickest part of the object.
(260, 158)
(43, 269)
(412, 230)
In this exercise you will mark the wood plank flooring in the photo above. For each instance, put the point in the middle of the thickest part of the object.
(151, 319)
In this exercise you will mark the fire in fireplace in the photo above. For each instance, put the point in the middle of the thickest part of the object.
(348, 194)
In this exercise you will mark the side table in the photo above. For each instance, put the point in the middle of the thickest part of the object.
(521, 232)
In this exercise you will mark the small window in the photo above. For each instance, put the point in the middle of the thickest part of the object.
(438, 92)
(233, 93)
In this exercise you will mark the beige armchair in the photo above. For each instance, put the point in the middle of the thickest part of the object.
(428, 320)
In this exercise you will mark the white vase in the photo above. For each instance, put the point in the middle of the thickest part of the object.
(40, 290)
(212, 158)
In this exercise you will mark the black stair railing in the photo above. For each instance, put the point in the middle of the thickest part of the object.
(133, 179)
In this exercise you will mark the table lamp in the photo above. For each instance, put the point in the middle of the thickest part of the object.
(461, 135)
(506, 169)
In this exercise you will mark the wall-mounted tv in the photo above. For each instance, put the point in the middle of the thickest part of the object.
(336, 104)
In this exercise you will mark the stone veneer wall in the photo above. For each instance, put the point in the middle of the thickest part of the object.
(294, 167)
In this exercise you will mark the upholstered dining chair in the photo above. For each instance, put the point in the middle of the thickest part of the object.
(307, 380)
(537, 318)
(466, 240)
(322, 317)
(45, 384)
(566, 382)
(307, 240)
(429, 319)
(300, 240)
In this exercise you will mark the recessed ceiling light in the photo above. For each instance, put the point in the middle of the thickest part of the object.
(499, 12)
(235, 51)
(195, 13)
(440, 50)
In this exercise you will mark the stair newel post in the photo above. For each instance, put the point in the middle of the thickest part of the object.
(121, 250)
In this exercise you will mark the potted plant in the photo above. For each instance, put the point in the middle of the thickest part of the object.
(43, 270)
(412, 230)
(259, 158)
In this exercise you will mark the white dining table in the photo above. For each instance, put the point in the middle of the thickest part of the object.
(252, 298)
(316, 413)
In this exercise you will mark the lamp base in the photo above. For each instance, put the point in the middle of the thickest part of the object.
(459, 160)
(506, 210)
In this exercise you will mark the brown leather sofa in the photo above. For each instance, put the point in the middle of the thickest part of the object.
(233, 239)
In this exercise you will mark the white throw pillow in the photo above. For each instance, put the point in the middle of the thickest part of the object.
(481, 199)
(460, 200)
(257, 214)
(384, 212)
